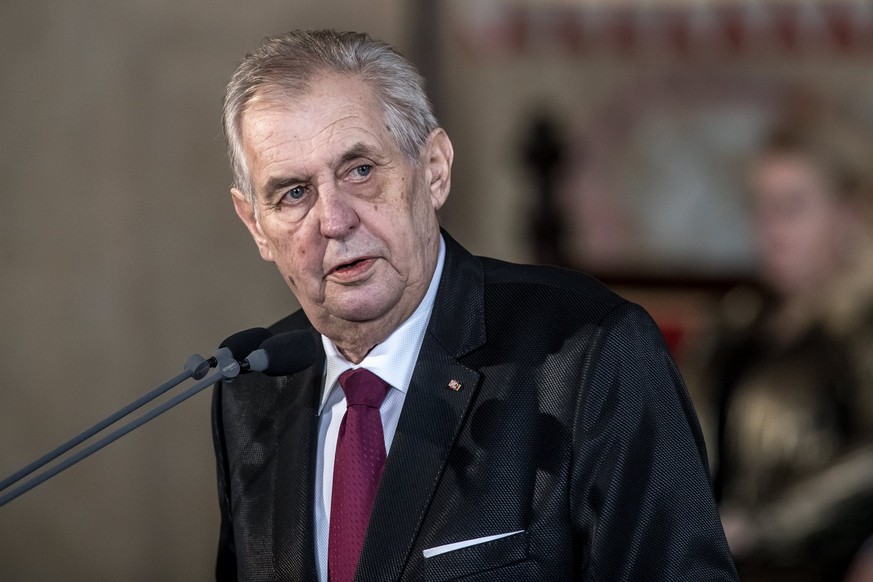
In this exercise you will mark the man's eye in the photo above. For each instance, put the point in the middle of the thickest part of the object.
(363, 171)
(295, 193)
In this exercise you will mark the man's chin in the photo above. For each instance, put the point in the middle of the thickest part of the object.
(359, 310)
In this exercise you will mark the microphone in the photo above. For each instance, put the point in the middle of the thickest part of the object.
(242, 343)
(196, 367)
(231, 352)
(283, 354)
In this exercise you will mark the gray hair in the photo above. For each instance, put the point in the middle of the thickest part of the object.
(286, 64)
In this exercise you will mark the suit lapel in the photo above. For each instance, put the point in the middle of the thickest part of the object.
(440, 392)
(293, 506)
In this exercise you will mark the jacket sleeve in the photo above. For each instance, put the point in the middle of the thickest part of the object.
(225, 567)
(641, 499)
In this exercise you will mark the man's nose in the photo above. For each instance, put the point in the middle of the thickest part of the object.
(338, 217)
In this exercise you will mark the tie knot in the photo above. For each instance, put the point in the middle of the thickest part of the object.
(363, 387)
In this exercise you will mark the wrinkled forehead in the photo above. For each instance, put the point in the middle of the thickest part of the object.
(314, 134)
(322, 104)
(326, 107)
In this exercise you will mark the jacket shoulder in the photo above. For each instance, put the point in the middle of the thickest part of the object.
(297, 321)
(556, 290)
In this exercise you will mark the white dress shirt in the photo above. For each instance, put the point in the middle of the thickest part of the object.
(394, 361)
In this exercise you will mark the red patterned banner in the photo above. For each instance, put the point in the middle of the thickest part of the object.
(497, 27)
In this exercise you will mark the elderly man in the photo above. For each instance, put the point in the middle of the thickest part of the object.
(466, 418)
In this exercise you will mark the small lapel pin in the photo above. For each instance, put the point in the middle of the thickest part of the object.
(454, 385)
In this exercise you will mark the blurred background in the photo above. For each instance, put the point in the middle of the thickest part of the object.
(707, 159)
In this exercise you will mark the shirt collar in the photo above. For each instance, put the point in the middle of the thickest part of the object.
(394, 359)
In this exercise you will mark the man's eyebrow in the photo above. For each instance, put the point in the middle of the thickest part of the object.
(359, 150)
(281, 182)
(356, 151)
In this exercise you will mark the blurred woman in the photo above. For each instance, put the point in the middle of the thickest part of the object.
(792, 369)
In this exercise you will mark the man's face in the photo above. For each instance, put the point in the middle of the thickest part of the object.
(349, 221)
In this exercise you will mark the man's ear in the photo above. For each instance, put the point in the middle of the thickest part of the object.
(246, 212)
(438, 166)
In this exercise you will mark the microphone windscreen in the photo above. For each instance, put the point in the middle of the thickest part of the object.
(289, 352)
(242, 343)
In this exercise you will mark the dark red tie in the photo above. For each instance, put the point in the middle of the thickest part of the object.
(360, 457)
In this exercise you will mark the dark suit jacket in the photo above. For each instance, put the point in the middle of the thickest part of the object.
(571, 425)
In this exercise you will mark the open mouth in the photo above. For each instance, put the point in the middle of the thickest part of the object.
(351, 266)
